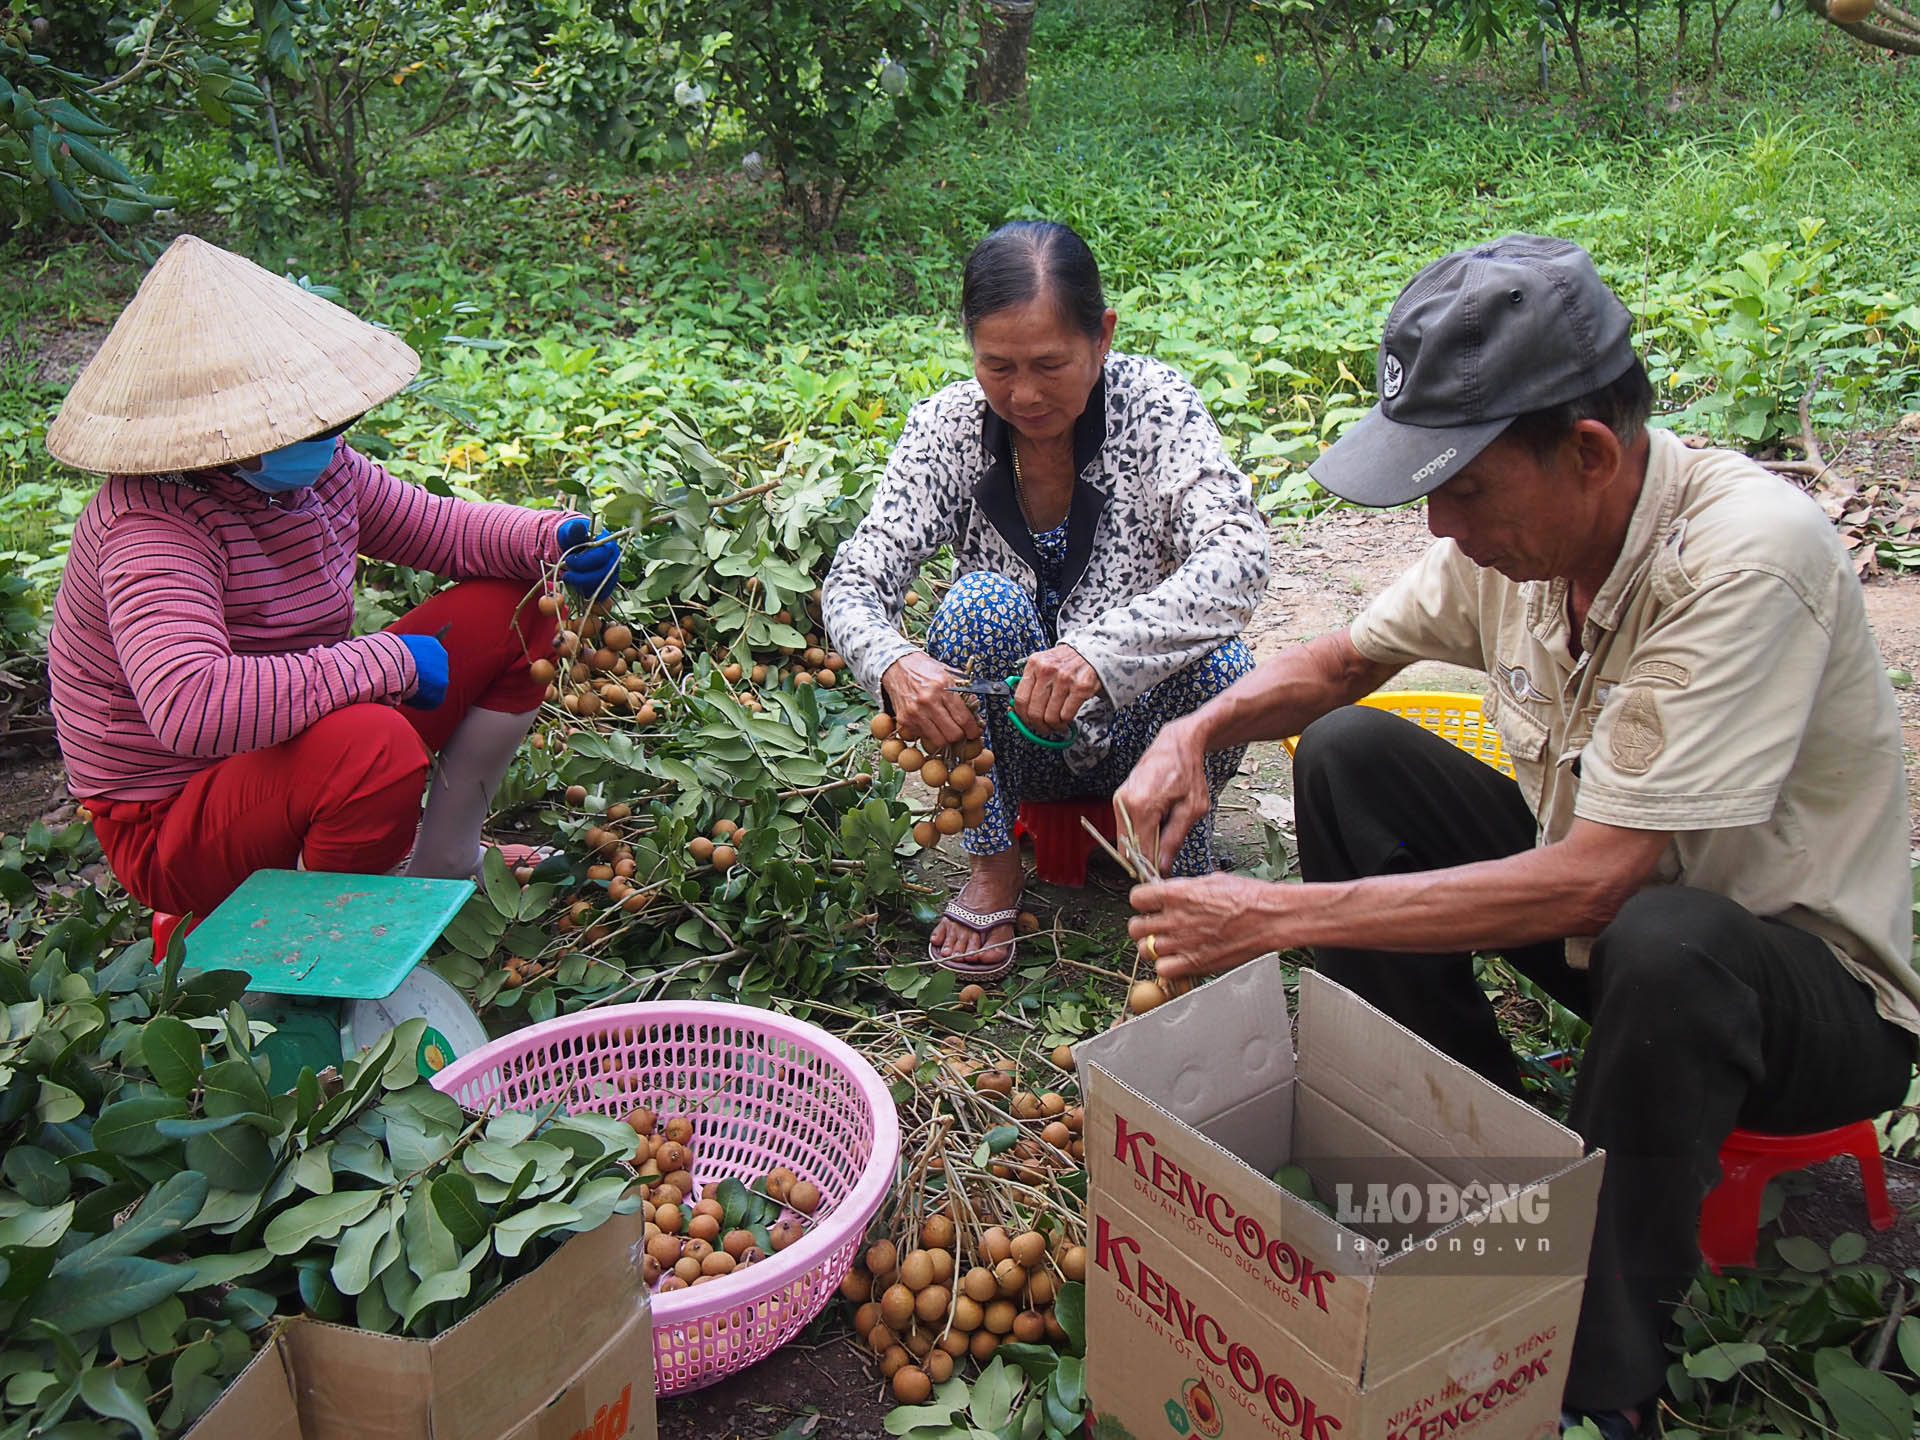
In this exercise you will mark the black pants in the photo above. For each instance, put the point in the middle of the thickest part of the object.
(1705, 1016)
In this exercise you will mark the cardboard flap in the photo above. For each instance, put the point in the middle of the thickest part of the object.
(1392, 1080)
(1201, 1062)
(260, 1403)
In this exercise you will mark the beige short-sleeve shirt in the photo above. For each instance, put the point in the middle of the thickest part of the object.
(1727, 689)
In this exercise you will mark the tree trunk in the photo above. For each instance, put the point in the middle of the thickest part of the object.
(1005, 28)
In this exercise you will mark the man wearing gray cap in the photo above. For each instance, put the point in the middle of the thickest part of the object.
(1703, 850)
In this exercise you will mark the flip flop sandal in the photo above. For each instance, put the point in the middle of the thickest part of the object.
(517, 855)
(981, 926)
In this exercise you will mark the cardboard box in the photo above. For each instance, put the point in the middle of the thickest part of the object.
(260, 1403)
(1438, 1299)
(565, 1353)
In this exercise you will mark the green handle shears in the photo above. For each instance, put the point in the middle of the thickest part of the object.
(1003, 690)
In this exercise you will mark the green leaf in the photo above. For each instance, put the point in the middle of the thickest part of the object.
(444, 1285)
(502, 889)
(171, 1048)
(353, 1257)
(1720, 1362)
(235, 1159)
(460, 1209)
(1866, 1404)
(997, 1141)
(167, 1210)
(225, 1269)
(121, 1394)
(1802, 1253)
(430, 1244)
(37, 1228)
(994, 1395)
(1847, 1248)
(320, 1217)
(37, 1176)
(248, 1308)
(1910, 1342)
(126, 1127)
(234, 1087)
(1070, 1309)
(113, 1290)
(510, 1236)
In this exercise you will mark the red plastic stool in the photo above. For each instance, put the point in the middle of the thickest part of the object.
(1061, 844)
(1730, 1215)
(163, 927)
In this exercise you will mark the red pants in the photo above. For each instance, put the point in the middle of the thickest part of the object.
(342, 795)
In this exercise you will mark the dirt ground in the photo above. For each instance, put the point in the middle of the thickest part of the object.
(1323, 574)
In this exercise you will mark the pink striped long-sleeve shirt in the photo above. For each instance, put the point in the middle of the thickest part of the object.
(200, 620)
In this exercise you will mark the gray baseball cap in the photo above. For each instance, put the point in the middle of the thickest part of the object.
(1477, 338)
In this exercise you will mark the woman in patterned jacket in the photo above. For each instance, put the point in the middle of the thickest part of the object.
(1107, 551)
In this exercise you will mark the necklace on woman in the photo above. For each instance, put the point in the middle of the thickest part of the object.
(1019, 494)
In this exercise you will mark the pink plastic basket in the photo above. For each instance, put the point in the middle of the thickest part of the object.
(763, 1090)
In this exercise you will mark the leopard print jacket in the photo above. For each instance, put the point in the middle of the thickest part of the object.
(1166, 554)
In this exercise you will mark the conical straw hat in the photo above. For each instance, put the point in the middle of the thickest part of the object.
(215, 360)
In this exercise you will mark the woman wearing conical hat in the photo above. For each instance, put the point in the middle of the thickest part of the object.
(215, 711)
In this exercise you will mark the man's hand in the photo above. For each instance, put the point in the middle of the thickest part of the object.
(925, 703)
(1166, 795)
(1054, 684)
(1208, 924)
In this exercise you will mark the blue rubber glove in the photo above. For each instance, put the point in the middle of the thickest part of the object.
(430, 664)
(589, 568)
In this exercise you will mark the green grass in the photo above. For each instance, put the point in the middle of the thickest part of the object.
(1257, 255)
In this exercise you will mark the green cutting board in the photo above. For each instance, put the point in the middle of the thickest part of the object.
(339, 937)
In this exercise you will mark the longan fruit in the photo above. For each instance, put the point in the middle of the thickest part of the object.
(543, 672)
(1026, 922)
(679, 1129)
(910, 760)
(912, 1385)
(918, 1342)
(961, 777)
(779, 1179)
(881, 726)
(758, 674)
(949, 822)
(1053, 1104)
(1029, 1249)
(937, 1233)
(894, 1361)
(912, 597)
(640, 1119)
(1029, 1327)
(856, 1285)
(1057, 1135)
(784, 1232)
(926, 835)
(576, 794)
(866, 1317)
(967, 1313)
(688, 1268)
(617, 637)
(814, 656)
(881, 1339)
(701, 848)
(804, 1196)
(997, 1082)
(704, 1227)
(971, 995)
(732, 673)
(1073, 1262)
(979, 1285)
(548, 605)
(953, 1344)
(1040, 1288)
(737, 1243)
(930, 1304)
(896, 1306)
(718, 1263)
(646, 714)
(983, 762)
(724, 829)
(698, 1249)
(1026, 1106)
(669, 1219)
(673, 1156)
(664, 1251)
(882, 1258)
(1062, 1057)
(916, 1271)
(996, 1244)
(723, 858)
(665, 1194)
(1010, 1276)
(999, 1317)
(938, 1365)
(983, 1344)
(933, 773)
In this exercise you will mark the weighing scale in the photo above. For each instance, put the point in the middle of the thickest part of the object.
(332, 958)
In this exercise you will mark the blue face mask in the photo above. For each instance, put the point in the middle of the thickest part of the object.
(291, 467)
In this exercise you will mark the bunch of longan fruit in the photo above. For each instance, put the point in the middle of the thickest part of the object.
(957, 774)
(604, 667)
(684, 1243)
(921, 1313)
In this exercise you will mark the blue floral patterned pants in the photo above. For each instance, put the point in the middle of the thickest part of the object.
(987, 626)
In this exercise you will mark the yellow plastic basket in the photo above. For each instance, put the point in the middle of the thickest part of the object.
(1453, 716)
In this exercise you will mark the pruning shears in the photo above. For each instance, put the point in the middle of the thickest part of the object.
(1003, 690)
